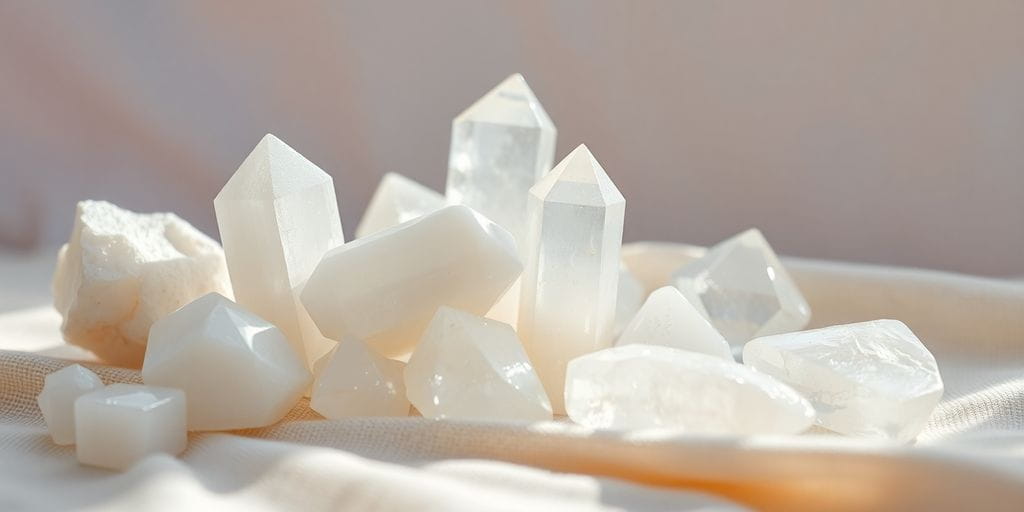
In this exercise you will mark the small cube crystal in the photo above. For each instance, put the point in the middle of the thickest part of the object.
(668, 319)
(118, 425)
(352, 380)
(57, 400)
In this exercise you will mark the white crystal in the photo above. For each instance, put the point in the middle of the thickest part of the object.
(121, 271)
(57, 400)
(741, 287)
(398, 199)
(501, 146)
(629, 299)
(355, 381)
(118, 425)
(649, 386)
(869, 379)
(468, 367)
(668, 319)
(385, 288)
(239, 371)
(570, 283)
(277, 216)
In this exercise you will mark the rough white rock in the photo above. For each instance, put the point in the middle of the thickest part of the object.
(668, 319)
(355, 381)
(57, 400)
(629, 299)
(397, 199)
(118, 425)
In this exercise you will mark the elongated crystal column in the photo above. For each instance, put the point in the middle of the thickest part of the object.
(572, 267)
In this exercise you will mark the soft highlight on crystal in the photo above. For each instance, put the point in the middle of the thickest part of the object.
(354, 381)
(668, 319)
(397, 199)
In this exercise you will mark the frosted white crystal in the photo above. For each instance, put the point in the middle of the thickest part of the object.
(117, 426)
(648, 386)
(743, 289)
(629, 299)
(668, 319)
(121, 271)
(239, 370)
(57, 400)
(397, 199)
(277, 216)
(385, 288)
(570, 284)
(469, 367)
(355, 381)
(501, 146)
(869, 379)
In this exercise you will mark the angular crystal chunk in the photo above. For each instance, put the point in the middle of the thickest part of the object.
(355, 381)
(397, 199)
(668, 319)
(57, 400)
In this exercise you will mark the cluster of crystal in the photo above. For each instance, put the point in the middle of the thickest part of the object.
(570, 284)
(743, 290)
(629, 299)
(468, 367)
(385, 288)
(355, 381)
(119, 425)
(398, 199)
(870, 379)
(121, 271)
(501, 146)
(668, 319)
(57, 400)
(239, 371)
(650, 386)
(277, 216)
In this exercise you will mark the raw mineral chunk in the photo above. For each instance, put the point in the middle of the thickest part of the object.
(57, 400)
(355, 381)
(117, 426)
(398, 199)
(668, 319)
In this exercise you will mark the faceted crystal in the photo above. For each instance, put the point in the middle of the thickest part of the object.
(239, 370)
(468, 367)
(869, 379)
(355, 381)
(647, 386)
(570, 284)
(385, 288)
(121, 271)
(57, 400)
(629, 299)
(117, 426)
(741, 287)
(668, 319)
(277, 216)
(397, 199)
(501, 146)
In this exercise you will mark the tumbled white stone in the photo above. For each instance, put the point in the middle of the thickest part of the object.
(397, 199)
(239, 370)
(385, 288)
(743, 290)
(117, 426)
(57, 399)
(869, 379)
(668, 319)
(355, 381)
(121, 271)
(629, 299)
(469, 367)
(651, 386)
(277, 216)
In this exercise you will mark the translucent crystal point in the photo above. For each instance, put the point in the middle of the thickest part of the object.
(570, 284)
(469, 367)
(629, 299)
(668, 319)
(57, 400)
(355, 381)
(277, 216)
(869, 379)
(398, 199)
(647, 386)
(501, 145)
(742, 289)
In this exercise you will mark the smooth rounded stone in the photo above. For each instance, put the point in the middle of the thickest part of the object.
(629, 299)
(870, 379)
(385, 288)
(650, 386)
(57, 400)
(352, 380)
(238, 370)
(121, 271)
(397, 199)
(668, 319)
(743, 290)
(469, 367)
(119, 425)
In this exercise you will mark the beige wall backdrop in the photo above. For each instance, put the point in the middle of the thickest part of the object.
(887, 132)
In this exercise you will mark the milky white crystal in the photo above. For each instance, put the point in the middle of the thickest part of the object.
(385, 288)
(743, 290)
(121, 271)
(239, 370)
(668, 319)
(277, 216)
(647, 386)
(57, 400)
(869, 379)
(117, 426)
(501, 146)
(355, 381)
(469, 367)
(570, 284)
(629, 299)
(398, 199)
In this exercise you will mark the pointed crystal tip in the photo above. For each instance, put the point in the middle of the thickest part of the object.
(578, 179)
(511, 102)
(272, 170)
